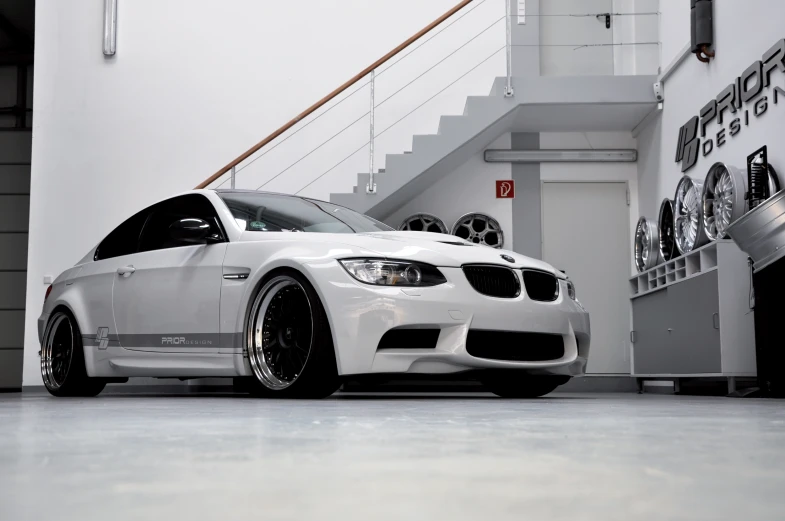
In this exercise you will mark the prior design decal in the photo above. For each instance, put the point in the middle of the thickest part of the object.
(183, 341)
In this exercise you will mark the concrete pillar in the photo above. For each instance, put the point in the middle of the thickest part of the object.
(527, 205)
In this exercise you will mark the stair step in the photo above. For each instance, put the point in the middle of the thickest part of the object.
(398, 161)
(425, 142)
(477, 103)
(448, 122)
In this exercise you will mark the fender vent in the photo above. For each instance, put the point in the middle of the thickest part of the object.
(514, 346)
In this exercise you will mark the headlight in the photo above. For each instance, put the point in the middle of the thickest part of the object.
(383, 272)
(571, 289)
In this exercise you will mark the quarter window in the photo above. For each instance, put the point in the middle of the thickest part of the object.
(124, 239)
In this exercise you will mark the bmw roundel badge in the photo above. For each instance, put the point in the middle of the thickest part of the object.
(507, 258)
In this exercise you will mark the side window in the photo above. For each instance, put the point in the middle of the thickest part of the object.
(124, 239)
(156, 236)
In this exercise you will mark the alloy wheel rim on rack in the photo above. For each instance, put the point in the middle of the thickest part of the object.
(687, 215)
(479, 229)
(423, 222)
(723, 199)
(647, 244)
(667, 241)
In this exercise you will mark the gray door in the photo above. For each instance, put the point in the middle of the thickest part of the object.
(694, 343)
(650, 318)
(586, 234)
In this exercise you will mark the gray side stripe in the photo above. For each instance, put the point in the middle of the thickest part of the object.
(223, 340)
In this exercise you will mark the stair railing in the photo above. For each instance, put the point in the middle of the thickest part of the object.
(371, 69)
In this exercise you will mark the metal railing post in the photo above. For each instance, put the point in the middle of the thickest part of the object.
(233, 172)
(508, 92)
(371, 187)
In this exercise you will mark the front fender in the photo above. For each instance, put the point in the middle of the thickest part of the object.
(237, 295)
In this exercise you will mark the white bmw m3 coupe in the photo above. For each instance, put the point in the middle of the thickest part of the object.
(291, 295)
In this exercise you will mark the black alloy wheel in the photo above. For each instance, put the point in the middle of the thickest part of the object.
(62, 359)
(288, 340)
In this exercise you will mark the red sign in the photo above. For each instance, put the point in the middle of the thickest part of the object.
(505, 189)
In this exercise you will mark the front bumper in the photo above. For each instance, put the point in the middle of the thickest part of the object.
(360, 314)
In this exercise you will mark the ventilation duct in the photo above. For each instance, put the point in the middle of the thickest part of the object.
(702, 29)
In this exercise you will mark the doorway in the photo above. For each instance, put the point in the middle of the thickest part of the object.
(585, 228)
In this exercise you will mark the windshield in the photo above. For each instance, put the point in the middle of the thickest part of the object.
(261, 212)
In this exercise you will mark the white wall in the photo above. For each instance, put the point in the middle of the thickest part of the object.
(642, 30)
(563, 31)
(675, 27)
(743, 32)
(195, 83)
(470, 188)
(575, 42)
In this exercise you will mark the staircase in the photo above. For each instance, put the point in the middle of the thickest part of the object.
(540, 104)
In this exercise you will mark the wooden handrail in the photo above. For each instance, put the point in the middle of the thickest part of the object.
(310, 110)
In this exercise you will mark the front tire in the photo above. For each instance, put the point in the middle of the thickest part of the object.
(289, 343)
(515, 384)
(62, 359)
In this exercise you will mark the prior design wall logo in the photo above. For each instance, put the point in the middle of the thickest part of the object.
(728, 104)
(102, 337)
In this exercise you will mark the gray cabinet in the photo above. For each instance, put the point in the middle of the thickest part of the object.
(691, 316)
(676, 328)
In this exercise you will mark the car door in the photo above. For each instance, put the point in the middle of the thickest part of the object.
(97, 279)
(167, 297)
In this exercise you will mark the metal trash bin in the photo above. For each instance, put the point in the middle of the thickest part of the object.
(761, 234)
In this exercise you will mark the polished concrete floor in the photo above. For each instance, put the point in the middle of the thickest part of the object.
(370, 458)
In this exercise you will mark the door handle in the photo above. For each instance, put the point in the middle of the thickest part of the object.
(126, 271)
(715, 320)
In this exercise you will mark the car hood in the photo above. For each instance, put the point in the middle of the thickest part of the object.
(431, 248)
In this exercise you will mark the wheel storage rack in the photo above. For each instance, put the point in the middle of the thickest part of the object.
(692, 317)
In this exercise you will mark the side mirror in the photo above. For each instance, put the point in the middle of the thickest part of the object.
(190, 230)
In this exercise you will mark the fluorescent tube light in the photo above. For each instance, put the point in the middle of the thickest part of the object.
(561, 156)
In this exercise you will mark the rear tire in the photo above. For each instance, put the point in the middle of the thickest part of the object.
(62, 359)
(514, 384)
(288, 339)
